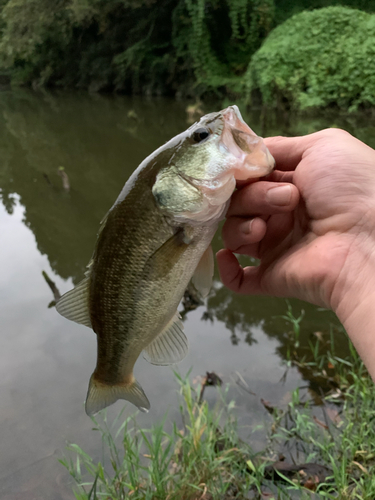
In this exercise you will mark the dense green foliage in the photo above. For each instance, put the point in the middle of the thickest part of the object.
(144, 46)
(194, 47)
(316, 59)
(288, 8)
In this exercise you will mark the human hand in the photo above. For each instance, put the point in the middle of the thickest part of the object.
(320, 248)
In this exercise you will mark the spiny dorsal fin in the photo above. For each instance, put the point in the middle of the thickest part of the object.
(88, 267)
(74, 305)
(170, 346)
(202, 277)
(103, 222)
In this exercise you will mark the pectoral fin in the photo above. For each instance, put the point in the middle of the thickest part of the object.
(74, 305)
(162, 261)
(202, 277)
(170, 346)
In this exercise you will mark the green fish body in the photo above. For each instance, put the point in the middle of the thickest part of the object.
(153, 241)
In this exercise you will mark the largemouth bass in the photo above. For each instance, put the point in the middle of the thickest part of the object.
(153, 241)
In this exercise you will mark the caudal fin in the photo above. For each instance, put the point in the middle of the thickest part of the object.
(100, 396)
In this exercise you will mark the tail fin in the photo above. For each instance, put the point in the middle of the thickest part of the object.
(100, 396)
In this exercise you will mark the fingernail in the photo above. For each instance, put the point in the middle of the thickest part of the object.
(279, 195)
(246, 227)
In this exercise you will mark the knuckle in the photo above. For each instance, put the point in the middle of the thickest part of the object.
(337, 133)
(278, 138)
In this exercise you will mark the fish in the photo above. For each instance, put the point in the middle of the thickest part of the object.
(152, 243)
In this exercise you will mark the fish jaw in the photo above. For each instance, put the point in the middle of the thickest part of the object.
(201, 175)
(252, 158)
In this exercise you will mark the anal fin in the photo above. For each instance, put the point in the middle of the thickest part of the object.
(170, 346)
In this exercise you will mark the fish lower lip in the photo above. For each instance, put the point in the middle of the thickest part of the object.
(253, 159)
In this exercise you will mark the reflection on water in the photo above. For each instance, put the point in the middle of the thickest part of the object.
(45, 360)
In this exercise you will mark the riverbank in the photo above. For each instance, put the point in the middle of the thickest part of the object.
(319, 445)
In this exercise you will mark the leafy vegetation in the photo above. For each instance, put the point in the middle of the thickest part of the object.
(327, 451)
(172, 46)
(316, 59)
(284, 9)
(194, 48)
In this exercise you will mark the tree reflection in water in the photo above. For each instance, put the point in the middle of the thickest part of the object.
(100, 140)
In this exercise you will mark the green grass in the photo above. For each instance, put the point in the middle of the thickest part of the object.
(204, 458)
(184, 463)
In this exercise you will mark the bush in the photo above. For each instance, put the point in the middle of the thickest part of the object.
(316, 59)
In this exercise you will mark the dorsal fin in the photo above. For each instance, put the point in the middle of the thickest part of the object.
(103, 222)
(74, 305)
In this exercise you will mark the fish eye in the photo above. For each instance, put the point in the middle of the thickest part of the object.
(200, 134)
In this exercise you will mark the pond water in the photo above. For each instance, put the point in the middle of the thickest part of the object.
(46, 360)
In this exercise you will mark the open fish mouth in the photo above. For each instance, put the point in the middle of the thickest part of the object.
(248, 158)
(252, 156)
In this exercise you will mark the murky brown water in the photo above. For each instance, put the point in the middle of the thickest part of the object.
(45, 360)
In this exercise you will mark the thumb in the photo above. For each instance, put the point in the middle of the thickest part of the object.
(289, 151)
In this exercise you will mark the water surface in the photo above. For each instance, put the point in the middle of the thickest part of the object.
(45, 360)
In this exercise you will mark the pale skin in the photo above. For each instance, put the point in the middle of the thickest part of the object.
(312, 225)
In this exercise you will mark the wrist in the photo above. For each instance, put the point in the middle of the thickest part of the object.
(360, 327)
(354, 302)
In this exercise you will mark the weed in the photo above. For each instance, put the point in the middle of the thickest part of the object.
(185, 463)
(312, 451)
(295, 322)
